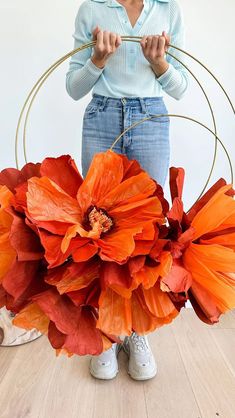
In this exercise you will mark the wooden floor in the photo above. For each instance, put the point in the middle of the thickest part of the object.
(196, 378)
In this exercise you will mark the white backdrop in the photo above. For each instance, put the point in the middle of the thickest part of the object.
(35, 34)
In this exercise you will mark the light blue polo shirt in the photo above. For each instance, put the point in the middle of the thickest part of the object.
(127, 73)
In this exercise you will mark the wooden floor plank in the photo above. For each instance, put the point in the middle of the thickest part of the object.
(170, 393)
(212, 381)
(196, 378)
(121, 397)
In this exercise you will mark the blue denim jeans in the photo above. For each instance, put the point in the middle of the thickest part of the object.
(105, 118)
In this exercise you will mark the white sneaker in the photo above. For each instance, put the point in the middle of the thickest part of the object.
(142, 365)
(105, 366)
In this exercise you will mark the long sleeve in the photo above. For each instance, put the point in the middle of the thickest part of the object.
(82, 73)
(175, 80)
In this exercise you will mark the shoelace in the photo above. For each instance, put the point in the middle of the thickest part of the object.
(139, 342)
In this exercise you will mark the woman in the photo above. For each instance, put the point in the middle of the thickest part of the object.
(127, 80)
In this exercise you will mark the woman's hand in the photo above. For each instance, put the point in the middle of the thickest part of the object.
(154, 48)
(106, 44)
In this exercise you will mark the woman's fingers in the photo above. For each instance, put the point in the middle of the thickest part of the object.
(161, 46)
(106, 44)
(154, 47)
(167, 38)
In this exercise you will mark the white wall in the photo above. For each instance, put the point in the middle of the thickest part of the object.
(35, 34)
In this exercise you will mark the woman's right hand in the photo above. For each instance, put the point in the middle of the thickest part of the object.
(106, 44)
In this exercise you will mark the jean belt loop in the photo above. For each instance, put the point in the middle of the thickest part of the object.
(103, 103)
(143, 105)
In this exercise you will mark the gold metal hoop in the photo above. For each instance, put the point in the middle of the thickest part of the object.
(46, 74)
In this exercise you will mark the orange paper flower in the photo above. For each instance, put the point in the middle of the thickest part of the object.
(202, 247)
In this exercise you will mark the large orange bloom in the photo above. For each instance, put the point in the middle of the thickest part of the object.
(115, 206)
(202, 245)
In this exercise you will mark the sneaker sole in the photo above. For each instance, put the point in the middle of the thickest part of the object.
(103, 377)
(142, 377)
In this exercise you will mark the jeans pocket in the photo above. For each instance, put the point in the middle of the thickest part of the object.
(91, 110)
(157, 109)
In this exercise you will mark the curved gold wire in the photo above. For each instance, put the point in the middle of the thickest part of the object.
(46, 74)
(182, 117)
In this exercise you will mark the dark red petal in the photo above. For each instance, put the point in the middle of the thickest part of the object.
(63, 171)
(59, 309)
(176, 182)
(87, 338)
(56, 338)
(24, 240)
(20, 277)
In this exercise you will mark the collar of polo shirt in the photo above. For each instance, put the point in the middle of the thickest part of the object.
(112, 3)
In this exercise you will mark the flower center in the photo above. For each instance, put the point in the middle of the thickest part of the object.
(99, 218)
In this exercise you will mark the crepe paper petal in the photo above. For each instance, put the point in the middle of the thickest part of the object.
(59, 309)
(73, 276)
(142, 247)
(88, 295)
(198, 205)
(176, 211)
(159, 193)
(205, 307)
(130, 167)
(12, 177)
(112, 274)
(214, 284)
(5, 197)
(7, 252)
(149, 232)
(214, 212)
(56, 338)
(32, 317)
(64, 172)
(146, 210)
(132, 190)
(85, 252)
(73, 230)
(178, 279)
(51, 244)
(176, 182)
(214, 256)
(149, 275)
(20, 277)
(122, 278)
(119, 243)
(107, 344)
(104, 174)
(143, 321)
(136, 263)
(117, 247)
(87, 338)
(158, 302)
(3, 297)
(46, 201)
(114, 313)
(25, 242)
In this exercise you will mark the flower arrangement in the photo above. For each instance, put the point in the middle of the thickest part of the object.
(87, 260)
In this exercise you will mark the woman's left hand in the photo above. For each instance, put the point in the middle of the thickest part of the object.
(154, 48)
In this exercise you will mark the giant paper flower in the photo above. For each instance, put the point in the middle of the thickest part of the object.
(202, 244)
(113, 211)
